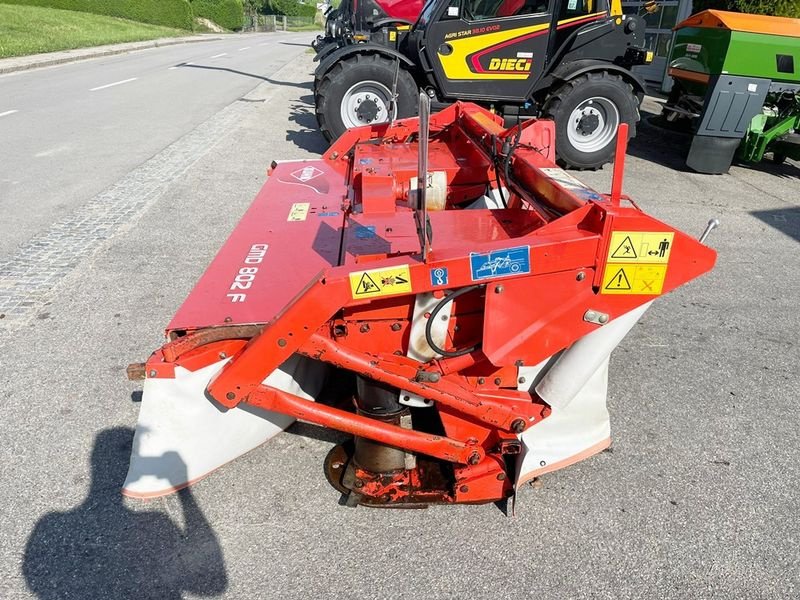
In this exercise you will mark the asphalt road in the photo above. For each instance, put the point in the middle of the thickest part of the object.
(70, 131)
(698, 498)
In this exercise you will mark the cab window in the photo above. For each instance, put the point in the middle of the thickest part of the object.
(580, 8)
(481, 10)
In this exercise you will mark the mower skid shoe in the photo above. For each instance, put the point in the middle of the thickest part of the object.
(575, 385)
(181, 436)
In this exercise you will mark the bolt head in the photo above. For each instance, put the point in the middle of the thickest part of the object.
(153, 373)
(281, 342)
(499, 289)
(474, 458)
(518, 425)
(580, 276)
(463, 489)
(230, 396)
(501, 477)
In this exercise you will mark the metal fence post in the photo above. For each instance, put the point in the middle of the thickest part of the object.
(284, 23)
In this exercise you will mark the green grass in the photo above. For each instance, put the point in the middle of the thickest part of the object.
(31, 29)
(304, 27)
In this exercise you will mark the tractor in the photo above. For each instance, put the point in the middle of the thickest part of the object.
(566, 60)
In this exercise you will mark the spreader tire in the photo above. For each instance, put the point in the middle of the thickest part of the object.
(357, 91)
(587, 111)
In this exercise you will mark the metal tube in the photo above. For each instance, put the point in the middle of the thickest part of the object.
(438, 446)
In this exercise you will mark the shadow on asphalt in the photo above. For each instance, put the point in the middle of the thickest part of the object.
(305, 134)
(245, 74)
(659, 144)
(101, 549)
(295, 44)
(785, 220)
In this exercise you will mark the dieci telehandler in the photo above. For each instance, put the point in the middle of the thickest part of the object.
(463, 291)
(569, 60)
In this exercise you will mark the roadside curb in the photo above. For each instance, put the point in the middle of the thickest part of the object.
(36, 61)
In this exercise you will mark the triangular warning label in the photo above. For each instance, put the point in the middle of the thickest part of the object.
(366, 285)
(625, 249)
(619, 281)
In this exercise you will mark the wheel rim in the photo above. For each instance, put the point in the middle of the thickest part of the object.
(366, 103)
(593, 124)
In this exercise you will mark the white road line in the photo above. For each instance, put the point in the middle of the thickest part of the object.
(218, 55)
(245, 48)
(108, 85)
(8, 112)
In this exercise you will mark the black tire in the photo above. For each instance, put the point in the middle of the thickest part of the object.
(778, 158)
(609, 87)
(360, 69)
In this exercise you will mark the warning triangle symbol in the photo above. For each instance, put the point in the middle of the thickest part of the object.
(366, 285)
(619, 281)
(625, 249)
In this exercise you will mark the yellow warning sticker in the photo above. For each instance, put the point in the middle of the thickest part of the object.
(380, 282)
(640, 246)
(299, 211)
(633, 279)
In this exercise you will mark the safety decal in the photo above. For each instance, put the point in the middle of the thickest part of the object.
(299, 211)
(439, 276)
(640, 246)
(380, 282)
(306, 173)
(500, 263)
(633, 279)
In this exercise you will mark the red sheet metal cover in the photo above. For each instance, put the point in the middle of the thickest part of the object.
(290, 233)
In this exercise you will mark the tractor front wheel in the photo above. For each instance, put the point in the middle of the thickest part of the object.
(587, 112)
(358, 91)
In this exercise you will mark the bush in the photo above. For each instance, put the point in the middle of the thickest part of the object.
(225, 13)
(291, 8)
(171, 13)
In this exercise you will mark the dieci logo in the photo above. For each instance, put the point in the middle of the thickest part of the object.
(510, 64)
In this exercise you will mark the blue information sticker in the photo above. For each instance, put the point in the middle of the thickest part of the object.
(500, 263)
(365, 233)
(439, 276)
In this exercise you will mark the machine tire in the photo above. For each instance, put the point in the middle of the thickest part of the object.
(360, 69)
(608, 91)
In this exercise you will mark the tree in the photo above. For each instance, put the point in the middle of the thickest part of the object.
(777, 8)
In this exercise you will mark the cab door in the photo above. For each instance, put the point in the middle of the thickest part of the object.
(488, 49)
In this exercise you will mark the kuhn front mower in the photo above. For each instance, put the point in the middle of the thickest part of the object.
(469, 290)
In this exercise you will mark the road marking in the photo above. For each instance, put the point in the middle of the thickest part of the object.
(108, 85)
(8, 112)
(218, 55)
(245, 48)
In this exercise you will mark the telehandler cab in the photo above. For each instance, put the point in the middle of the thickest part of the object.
(567, 60)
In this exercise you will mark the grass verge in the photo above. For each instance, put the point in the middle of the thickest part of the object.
(32, 29)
